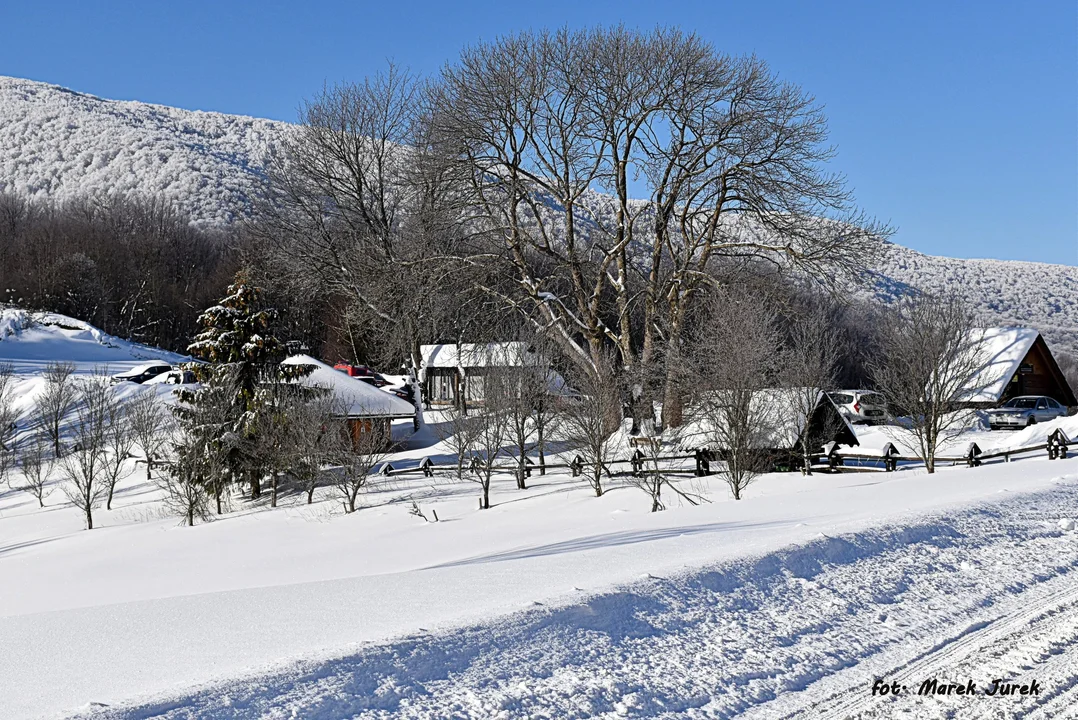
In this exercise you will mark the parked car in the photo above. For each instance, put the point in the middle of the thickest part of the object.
(362, 372)
(173, 377)
(141, 373)
(1023, 411)
(861, 406)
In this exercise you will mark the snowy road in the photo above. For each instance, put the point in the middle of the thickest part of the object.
(990, 591)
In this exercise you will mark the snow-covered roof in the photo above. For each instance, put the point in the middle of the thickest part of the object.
(497, 354)
(781, 418)
(488, 355)
(1000, 352)
(360, 399)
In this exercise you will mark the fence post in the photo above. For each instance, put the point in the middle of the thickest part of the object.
(973, 455)
(577, 466)
(637, 461)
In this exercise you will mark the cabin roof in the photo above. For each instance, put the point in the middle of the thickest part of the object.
(358, 398)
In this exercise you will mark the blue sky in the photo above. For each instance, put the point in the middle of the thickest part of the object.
(957, 122)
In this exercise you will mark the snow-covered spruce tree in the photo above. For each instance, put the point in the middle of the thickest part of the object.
(242, 357)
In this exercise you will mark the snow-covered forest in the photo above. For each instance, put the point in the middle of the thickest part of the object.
(59, 145)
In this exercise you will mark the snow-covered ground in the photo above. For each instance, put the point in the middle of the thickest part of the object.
(553, 604)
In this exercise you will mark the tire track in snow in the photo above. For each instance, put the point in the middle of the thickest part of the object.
(946, 659)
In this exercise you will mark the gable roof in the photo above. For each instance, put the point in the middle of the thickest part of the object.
(781, 420)
(360, 399)
(493, 355)
(1001, 350)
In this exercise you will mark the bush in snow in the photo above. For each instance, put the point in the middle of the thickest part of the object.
(84, 467)
(8, 417)
(150, 425)
(56, 400)
(35, 465)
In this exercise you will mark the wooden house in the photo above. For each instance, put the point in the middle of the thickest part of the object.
(1015, 361)
(456, 374)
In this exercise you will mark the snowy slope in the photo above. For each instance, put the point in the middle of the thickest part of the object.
(62, 144)
(58, 143)
(1004, 292)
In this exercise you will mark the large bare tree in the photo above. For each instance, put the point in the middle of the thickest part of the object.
(730, 162)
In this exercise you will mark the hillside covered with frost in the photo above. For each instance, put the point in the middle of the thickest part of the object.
(60, 144)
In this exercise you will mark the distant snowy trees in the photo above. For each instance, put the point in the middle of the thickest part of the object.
(135, 268)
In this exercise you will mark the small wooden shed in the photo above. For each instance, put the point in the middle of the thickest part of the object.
(780, 423)
(455, 373)
(366, 409)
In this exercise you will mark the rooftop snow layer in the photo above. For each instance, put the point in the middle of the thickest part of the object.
(1001, 350)
(361, 399)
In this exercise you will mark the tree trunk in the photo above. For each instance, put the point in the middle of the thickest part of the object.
(273, 490)
(108, 502)
(190, 516)
(542, 448)
(256, 486)
(597, 483)
(89, 518)
(486, 498)
(217, 495)
(310, 494)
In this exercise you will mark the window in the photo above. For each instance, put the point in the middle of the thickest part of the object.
(1053, 404)
(1042, 405)
(841, 398)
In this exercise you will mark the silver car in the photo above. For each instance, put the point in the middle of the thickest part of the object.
(861, 406)
(1024, 411)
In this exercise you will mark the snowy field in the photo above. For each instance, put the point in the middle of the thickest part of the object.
(553, 604)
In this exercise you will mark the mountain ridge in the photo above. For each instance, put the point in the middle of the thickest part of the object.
(60, 144)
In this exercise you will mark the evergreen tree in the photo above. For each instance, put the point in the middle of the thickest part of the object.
(242, 367)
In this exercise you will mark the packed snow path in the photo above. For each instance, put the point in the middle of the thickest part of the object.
(989, 591)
